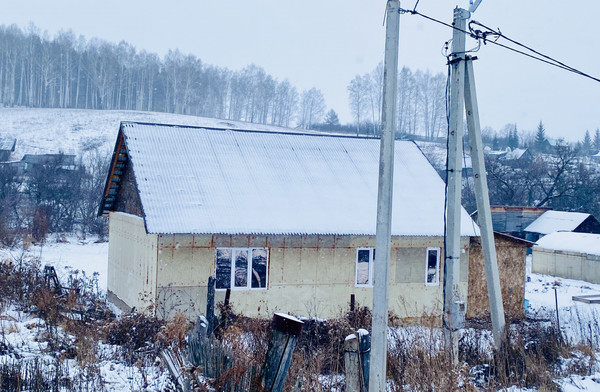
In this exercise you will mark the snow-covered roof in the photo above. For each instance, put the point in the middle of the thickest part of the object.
(551, 221)
(7, 143)
(201, 180)
(517, 153)
(571, 242)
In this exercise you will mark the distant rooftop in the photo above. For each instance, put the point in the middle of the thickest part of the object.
(7, 143)
(551, 221)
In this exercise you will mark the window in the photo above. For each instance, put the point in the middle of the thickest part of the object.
(249, 267)
(432, 267)
(364, 266)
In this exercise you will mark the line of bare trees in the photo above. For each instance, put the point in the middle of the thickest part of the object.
(69, 72)
(421, 102)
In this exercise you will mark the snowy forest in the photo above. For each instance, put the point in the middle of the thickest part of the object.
(67, 71)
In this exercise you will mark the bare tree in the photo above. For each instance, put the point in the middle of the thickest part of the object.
(358, 92)
(312, 107)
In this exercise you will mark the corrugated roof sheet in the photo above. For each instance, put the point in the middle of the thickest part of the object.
(551, 221)
(197, 180)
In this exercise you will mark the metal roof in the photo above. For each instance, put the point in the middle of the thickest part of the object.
(551, 221)
(200, 180)
(7, 143)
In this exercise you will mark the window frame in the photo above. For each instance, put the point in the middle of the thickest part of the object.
(249, 267)
(371, 262)
(437, 272)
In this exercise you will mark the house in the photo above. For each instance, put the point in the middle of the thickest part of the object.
(285, 221)
(551, 221)
(511, 253)
(568, 255)
(7, 147)
(60, 161)
(518, 156)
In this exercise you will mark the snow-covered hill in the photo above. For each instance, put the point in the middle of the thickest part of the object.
(40, 131)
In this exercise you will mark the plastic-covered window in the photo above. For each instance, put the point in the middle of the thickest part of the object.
(241, 268)
(432, 267)
(364, 266)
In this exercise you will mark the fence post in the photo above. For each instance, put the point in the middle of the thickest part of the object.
(364, 348)
(210, 306)
(352, 364)
(286, 330)
(357, 360)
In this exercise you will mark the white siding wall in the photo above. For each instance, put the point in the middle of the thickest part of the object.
(132, 262)
(571, 265)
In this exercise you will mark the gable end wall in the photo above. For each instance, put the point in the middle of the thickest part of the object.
(132, 258)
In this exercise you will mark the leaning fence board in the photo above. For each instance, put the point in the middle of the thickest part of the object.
(286, 330)
(588, 299)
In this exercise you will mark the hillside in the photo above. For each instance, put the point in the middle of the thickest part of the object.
(41, 131)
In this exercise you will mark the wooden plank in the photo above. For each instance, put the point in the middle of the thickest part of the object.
(588, 299)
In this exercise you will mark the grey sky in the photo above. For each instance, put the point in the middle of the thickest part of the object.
(325, 43)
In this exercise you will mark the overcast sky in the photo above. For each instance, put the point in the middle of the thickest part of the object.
(325, 43)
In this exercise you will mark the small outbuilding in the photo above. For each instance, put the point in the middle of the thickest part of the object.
(511, 253)
(284, 221)
(512, 220)
(568, 255)
(7, 147)
(552, 221)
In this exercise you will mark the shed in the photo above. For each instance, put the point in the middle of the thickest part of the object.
(513, 220)
(511, 253)
(285, 221)
(552, 221)
(7, 147)
(568, 255)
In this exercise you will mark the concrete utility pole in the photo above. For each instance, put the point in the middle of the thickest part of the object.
(453, 212)
(377, 381)
(462, 90)
(484, 213)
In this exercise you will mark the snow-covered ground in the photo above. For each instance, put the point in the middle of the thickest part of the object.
(578, 320)
(44, 131)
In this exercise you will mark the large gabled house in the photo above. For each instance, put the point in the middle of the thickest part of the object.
(285, 221)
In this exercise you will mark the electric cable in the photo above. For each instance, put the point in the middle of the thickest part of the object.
(416, 4)
(447, 99)
(482, 35)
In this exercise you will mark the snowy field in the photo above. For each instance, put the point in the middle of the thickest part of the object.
(88, 256)
(44, 131)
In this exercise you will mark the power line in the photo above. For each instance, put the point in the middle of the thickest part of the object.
(482, 35)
